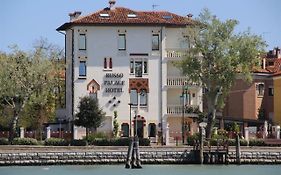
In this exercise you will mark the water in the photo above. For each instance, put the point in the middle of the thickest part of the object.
(147, 170)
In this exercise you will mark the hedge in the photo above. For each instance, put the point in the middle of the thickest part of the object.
(78, 143)
(117, 142)
(4, 141)
(56, 142)
(24, 141)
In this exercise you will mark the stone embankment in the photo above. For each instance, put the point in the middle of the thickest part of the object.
(16, 155)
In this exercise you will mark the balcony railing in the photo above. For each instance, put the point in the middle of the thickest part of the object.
(177, 109)
(175, 53)
(180, 81)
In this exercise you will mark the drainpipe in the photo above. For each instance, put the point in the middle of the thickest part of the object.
(64, 68)
(160, 84)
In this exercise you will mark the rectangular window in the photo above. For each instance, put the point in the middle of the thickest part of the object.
(145, 66)
(138, 68)
(134, 97)
(82, 41)
(260, 89)
(143, 98)
(270, 91)
(155, 42)
(82, 68)
(132, 66)
(122, 42)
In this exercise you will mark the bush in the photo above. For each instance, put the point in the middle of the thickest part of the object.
(256, 142)
(97, 135)
(24, 141)
(191, 139)
(78, 143)
(118, 142)
(4, 141)
(56, 142)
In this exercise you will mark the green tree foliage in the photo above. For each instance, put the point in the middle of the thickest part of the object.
(28, 80)
(115, 125)
(89, 115)
(216, 56)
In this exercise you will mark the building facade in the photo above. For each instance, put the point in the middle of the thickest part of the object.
(277, 98)
(125, 59)
(251, 104)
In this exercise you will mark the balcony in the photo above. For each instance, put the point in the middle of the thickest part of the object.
(175, 54)
(179, 82)
(177, 110)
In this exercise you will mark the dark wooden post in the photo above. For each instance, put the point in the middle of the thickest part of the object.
(238, 150)
(129, 154)
(201, 158)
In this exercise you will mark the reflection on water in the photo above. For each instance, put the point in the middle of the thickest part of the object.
(147, 170)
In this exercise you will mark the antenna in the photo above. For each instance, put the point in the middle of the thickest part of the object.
(154, 6)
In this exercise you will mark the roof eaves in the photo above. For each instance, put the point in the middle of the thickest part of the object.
(68, 25)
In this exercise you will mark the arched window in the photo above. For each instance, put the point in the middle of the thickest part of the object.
(104, 63)
(152, 130)
(125, 129)
(143, 98)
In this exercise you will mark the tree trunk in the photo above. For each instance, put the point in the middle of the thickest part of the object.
(13, 126)
(212, 100)
(210, 122)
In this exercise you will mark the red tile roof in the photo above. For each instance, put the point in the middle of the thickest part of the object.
(119, 16)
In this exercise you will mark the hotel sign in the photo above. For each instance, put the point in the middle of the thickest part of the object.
(113, 83)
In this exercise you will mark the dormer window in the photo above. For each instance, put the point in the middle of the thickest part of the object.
(132, 15)
(104, 15)
(167, 17)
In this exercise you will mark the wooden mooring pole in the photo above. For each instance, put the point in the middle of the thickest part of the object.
(201, 158)
(238, 150)
(133, 156)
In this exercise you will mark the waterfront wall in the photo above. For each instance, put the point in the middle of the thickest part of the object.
(119, 157)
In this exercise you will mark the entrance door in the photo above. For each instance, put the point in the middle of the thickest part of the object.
(140, 130)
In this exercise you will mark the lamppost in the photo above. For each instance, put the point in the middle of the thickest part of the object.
(130, 126)
(136, 124)
(183, 97)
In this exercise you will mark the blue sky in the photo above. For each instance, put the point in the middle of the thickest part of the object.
(25, 21)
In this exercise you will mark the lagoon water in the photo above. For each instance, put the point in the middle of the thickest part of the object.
(146, 170)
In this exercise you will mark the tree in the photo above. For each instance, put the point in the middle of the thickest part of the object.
(89, 115)
(216, 56)
(27, 79)
(115, 125)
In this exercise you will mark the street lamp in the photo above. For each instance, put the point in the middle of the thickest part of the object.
(183, 96)
(130, 132)
(136, 124)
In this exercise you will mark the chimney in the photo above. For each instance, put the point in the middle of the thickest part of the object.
(111, 4)
(74, 15)
(189, 16)
(278, 54)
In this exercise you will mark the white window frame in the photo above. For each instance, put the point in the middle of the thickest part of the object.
(123, 47)
(158, 36)
(133, 66)
(82, 44)
(137, 96)
(85, 64)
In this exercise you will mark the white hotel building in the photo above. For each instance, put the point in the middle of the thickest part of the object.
(121, 56)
